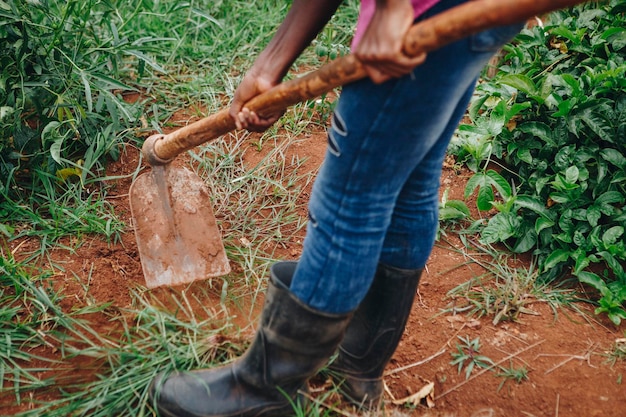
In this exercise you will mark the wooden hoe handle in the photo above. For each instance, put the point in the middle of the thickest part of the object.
(428, 35)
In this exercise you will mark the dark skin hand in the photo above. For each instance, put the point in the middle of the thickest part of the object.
(380, 50)
(303, 22)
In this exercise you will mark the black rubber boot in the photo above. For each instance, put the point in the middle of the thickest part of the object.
(373, 335)
(292, 343)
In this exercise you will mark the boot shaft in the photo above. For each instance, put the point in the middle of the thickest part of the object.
(293, 340)
(374, 333)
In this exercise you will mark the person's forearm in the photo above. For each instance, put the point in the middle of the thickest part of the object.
(304, 21)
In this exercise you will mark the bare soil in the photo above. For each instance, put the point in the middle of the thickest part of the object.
(565, 353)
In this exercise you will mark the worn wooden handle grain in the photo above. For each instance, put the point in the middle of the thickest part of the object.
(428, 35)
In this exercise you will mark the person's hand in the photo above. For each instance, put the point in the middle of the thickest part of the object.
(380, 49)
(251, 86)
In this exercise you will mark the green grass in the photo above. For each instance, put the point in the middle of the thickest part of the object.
(115, 368)
(508, 288)
(181, 57)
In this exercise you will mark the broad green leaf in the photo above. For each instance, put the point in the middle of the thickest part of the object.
(564, 32)
(51, 133)
(563, 157)
(613, 263)
(588, 17)
(560, 198)
(565, 237)
(500, 227)
(55, 150)
(516, 109)
(556, 257)
(475, 180)
(476, 106)
(525, 243)
(542, 223)
(578, 239)
(565, 107)
(614, 157)
(603, 169)
(485, 198)
(593, 215)
(562, 184)
(597, 123)
(520, 82)
(573, 83)
(534, 204)
(612, 234)
(619, 177)
(451, 213)
(541, 184)
(538, 129)
(524, 155)
(610, 197)
(582, 262)
(592, 279)
(500, 184)
(571, 174)
(616, 315)
(616, 37)
(459, 205)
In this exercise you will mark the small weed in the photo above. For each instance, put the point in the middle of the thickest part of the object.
(452, 210)
(452, 213)
(505, 292)
(517, 375)
(617, 352)
(468, 356)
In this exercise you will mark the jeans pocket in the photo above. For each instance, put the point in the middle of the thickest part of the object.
(492, 40)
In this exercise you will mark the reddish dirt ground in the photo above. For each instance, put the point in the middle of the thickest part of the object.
(565, 354)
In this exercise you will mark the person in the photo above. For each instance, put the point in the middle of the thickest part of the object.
(373, 214)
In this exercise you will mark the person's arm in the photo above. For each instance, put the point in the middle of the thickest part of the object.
(380, 48)
(303, 22)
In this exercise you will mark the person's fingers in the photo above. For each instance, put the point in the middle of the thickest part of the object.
(408, 62)
(252, 122)
(381, 71)
(376, 75)
(233, 112)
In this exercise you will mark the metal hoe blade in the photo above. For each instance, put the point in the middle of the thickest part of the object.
(177, 235)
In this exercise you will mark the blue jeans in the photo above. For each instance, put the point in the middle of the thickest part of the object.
(376, 197)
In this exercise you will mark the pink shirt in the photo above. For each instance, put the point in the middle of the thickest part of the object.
(367, 11)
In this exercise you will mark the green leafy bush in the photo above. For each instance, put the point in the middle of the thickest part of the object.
(61, 110)
(554, 119)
